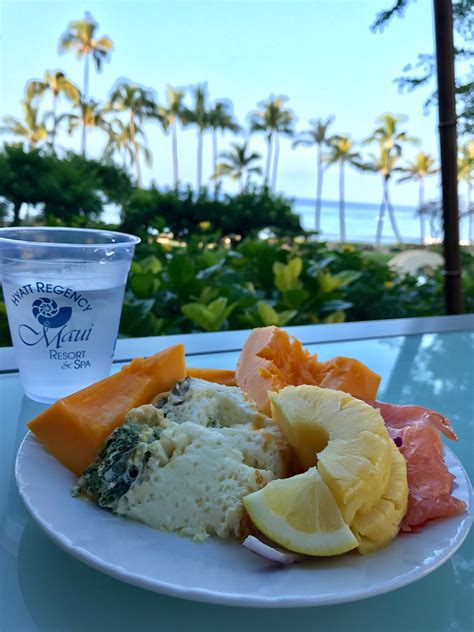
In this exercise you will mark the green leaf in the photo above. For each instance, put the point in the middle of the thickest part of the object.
(285, 317)
(180, 270)
(151, 264)
(144, 285)
(335, 317)
(346, 277)
(286, 275)
(295, 298)
(327, 282)
(210, 317)
(267, 314)
(200, 315)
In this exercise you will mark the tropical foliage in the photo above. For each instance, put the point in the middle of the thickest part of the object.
(176, 289)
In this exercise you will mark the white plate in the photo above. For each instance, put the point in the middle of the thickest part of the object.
(220, 571)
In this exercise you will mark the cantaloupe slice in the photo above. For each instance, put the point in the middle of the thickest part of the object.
(73, 429)
(220, 376)
(270, 360)
(351, 376)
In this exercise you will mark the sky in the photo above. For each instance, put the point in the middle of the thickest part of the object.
(319, 53)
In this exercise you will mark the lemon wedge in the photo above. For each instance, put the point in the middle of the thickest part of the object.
(301, 514)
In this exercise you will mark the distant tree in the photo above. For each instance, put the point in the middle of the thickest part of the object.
(68, 190)
(418, 170)
(170, 114)
(31, 131)
(317, 136)
(238, 162)
(198, 115)
(56, 83)
(140, 104)
(273, 120)
(221, 118)
(390, 141)
(127, 147)
(23, 174)
(342, 153)
(91, 115)
(81, 37)
(425, 68)
(466, 174)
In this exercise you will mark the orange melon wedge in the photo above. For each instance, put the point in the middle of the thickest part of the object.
(74, 429)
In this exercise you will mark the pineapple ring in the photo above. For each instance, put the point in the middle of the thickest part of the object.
(344, 436)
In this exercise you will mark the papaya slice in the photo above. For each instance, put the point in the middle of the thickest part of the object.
(271, 360)
(219, 376)
(74, 428)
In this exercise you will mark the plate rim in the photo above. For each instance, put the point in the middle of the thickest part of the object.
(232, 599)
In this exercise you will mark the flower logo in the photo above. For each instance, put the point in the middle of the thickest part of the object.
(47, 313)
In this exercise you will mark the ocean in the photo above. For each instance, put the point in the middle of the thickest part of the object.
(361, 222)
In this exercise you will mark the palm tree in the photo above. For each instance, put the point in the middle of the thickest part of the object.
(81, 38)
(170, 114)
(390, 141)
(140, 104)
(199, 116)
(56, 83)
(31, 130)
(91, 115)
(272, 119)
(125, 142)
(221, 118)
(317, 135)
(342, 152)
(237, 162)
(466, 174)
(417, 170)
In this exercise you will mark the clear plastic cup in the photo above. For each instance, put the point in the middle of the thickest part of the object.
(63, 289)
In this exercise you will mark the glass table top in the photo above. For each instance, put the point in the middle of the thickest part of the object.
(43, 588)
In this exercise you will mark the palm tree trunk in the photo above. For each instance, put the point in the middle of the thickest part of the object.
(86, 100)
(136, 157)
(269, 158)
(275, 161)
(391, 214)
(342, 215)
(381, 218)
(214, 158)
(174, 141)
(16, 213)
(319, 190)
(470, 211)
(53, 132)
(199, 159)
(421, 201)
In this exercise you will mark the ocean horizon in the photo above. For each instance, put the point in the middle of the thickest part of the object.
(361, 222)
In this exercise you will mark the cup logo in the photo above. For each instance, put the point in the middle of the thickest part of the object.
(48, 314)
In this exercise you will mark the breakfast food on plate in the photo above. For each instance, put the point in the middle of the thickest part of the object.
(285, 446)
(74, 428)
(301, 514)
(220, 376)
(270, 360)
(417, 432)
(356, 458)
(185, 463)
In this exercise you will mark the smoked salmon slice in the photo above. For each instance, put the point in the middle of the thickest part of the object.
(403, 416)
(416, 430)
